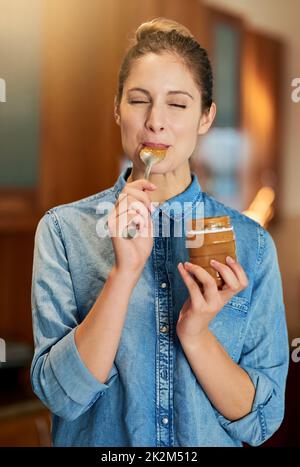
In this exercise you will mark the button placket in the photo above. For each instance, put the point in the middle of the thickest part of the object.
(163, 348)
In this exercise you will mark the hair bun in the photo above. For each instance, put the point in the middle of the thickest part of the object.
(161, 25)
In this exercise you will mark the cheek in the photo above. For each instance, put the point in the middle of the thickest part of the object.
(186, 137)
(129, 127)
(186, 128)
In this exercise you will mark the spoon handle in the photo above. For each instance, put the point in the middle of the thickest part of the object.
(131, 231)
(148, 169)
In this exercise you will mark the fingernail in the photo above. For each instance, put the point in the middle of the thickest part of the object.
(230, 260)
(187, 263)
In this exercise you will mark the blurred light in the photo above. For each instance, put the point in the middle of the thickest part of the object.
(261, 109)
(221, 154)
(261, 209)
(2, 90)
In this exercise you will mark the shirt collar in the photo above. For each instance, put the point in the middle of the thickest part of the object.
(177, 207)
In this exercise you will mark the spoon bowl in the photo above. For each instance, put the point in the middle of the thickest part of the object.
(151, 156)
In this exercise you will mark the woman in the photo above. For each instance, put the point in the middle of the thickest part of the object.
(128, 350)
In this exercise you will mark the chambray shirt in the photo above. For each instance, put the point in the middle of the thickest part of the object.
(151, 396)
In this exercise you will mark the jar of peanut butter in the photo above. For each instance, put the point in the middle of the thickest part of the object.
(217, 241)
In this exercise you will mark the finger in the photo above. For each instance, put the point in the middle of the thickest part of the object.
(141, 196)
(130, 195)
(136, 218)
(209, 283)
(133, 218)
(192, 286)
(238, 270)
(228, 276)
(142, 184)
(118, 224)
(138, 206)
(147, 230)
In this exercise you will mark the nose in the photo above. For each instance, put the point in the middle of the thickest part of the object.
(155, 119)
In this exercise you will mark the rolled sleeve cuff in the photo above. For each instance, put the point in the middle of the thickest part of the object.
(71, 373)
(252, 428)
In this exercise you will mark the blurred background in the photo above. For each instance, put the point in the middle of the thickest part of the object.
(59, 62)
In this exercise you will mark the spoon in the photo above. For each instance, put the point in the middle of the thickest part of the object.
(149, 156)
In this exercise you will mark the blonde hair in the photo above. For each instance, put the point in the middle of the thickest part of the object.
(161, 24)
(161, 35)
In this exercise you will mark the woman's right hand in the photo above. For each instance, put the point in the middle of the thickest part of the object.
(132, 207)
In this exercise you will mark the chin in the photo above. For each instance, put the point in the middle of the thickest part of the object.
(159, 170)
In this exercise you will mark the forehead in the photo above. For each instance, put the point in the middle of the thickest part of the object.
(162, 72)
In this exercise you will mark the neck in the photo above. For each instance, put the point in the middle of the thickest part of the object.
(168, 184)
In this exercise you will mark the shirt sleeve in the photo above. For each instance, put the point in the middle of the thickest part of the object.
(58, 375)
(265, 354)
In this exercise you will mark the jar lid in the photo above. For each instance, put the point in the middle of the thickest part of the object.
(211, 223)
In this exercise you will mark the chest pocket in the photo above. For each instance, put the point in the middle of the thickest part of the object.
(229, 325)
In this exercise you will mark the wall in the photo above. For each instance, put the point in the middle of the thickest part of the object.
(281, 18)
(20, 41)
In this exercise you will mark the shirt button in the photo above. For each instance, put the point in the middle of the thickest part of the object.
(163, 285)
(165, 420)
(164, 329)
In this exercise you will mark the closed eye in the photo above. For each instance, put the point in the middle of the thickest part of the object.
(178, 105)
(146, 102)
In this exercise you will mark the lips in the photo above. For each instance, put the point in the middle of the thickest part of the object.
(155, 145)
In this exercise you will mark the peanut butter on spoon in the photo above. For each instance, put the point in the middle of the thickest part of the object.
(151, 156)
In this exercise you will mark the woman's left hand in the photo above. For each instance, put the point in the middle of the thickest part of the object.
(200, 308)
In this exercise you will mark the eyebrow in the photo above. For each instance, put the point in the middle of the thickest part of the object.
(170, 92)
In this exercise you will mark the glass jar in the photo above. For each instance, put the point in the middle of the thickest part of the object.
(215, 240)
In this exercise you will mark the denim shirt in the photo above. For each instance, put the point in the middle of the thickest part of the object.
(151, 396)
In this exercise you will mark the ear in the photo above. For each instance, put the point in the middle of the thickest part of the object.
(116, 111)
(207, 119)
